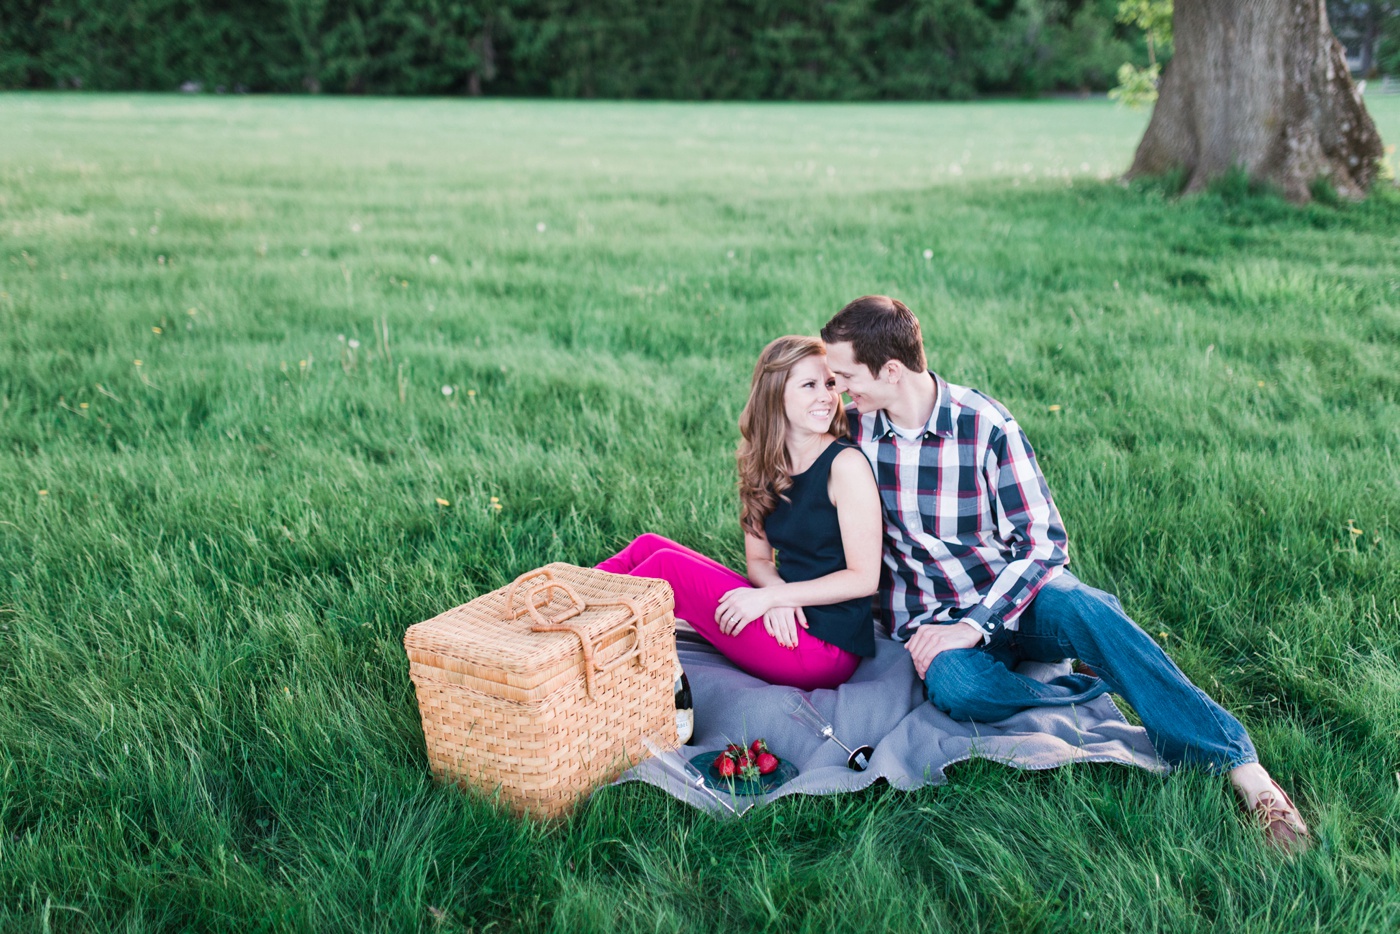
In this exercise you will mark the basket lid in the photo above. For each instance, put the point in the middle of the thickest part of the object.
(492, 638)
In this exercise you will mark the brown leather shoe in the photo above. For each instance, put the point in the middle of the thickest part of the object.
(1081, 667)
(1279, 819)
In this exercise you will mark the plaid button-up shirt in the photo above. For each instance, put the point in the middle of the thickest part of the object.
(970, 531)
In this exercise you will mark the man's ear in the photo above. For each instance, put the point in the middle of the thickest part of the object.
(893, 371)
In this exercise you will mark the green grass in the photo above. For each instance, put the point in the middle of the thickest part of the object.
(206, 721)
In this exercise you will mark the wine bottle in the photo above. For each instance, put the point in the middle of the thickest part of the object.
(685, 711)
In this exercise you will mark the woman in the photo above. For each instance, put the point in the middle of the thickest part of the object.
(811, 517)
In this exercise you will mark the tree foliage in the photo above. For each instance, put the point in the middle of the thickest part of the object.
(687, 49)
(1137, 85)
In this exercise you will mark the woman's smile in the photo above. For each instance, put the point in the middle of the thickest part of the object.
(810, 395)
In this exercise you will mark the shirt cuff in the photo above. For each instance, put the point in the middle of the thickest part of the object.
(981, 618)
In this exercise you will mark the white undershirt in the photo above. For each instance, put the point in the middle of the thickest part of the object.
(910, 434)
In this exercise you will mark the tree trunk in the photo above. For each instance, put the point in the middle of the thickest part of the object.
(1263, 85)
(485, 51)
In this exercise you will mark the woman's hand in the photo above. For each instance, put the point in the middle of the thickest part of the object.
(782, 622)
(739, 607)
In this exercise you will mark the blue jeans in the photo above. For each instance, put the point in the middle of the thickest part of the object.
(1069, 619)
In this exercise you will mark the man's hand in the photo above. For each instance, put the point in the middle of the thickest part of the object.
(931, 638)
(782, 622)
(739, 607)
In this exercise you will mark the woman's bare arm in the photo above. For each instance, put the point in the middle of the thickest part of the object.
(853, 492)
(758, 561)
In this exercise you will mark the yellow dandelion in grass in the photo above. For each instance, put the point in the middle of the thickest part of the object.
(192, 312)
(443, 502)
(497, 506)
(82, 405)
(1055, 408)
(1355, 532)
(1261, 384)
(495, 499)
(471, 393)
(43, 492)
(136, 362)
(155, 330)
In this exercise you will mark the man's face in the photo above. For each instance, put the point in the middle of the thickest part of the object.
(868, 392)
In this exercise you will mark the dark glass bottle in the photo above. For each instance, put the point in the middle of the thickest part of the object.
(685, 711)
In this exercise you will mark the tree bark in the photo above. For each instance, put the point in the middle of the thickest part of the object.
(1262, 85)
(485, 51)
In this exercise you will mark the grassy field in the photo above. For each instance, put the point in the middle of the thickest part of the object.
(281, 377)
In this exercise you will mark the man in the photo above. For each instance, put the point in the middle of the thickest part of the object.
(975, 575)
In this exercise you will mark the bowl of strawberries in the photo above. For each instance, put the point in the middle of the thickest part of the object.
(740, 770)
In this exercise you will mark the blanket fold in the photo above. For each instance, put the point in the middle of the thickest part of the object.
(883, 706)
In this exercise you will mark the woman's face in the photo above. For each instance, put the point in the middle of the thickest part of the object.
(809, 398)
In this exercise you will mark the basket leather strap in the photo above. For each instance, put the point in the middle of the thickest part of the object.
(557, 623)
(638, 645)
(511, 611)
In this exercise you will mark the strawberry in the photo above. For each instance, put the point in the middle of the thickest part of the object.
(734, 749)
(767, 763)
(758, 747)
(726, 767)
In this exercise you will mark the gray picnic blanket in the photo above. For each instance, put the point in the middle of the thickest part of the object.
(882, 706)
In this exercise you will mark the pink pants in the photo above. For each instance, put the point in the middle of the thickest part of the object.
(698, 583)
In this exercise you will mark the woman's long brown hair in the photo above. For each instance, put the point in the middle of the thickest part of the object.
(764, 470)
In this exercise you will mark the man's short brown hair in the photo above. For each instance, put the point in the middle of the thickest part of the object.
(879, 329)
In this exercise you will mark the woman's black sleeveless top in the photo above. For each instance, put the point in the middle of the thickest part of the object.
(805, 531)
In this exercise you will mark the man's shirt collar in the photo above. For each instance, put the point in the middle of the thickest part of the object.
(940, 423)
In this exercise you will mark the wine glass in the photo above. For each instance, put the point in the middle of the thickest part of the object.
(681, 770)
(800, 709)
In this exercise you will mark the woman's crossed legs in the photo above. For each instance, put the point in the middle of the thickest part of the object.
(698, 583)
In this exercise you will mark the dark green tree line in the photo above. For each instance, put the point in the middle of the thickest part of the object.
(685, 49)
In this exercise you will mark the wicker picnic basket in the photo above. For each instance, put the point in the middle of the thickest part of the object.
(545, 688)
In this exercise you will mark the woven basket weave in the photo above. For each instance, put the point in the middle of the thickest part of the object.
(544, 689)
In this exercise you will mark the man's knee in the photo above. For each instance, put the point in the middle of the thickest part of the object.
(1080, 611)
(956, 683)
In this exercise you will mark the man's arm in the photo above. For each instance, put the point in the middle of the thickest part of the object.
(1027, 521)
